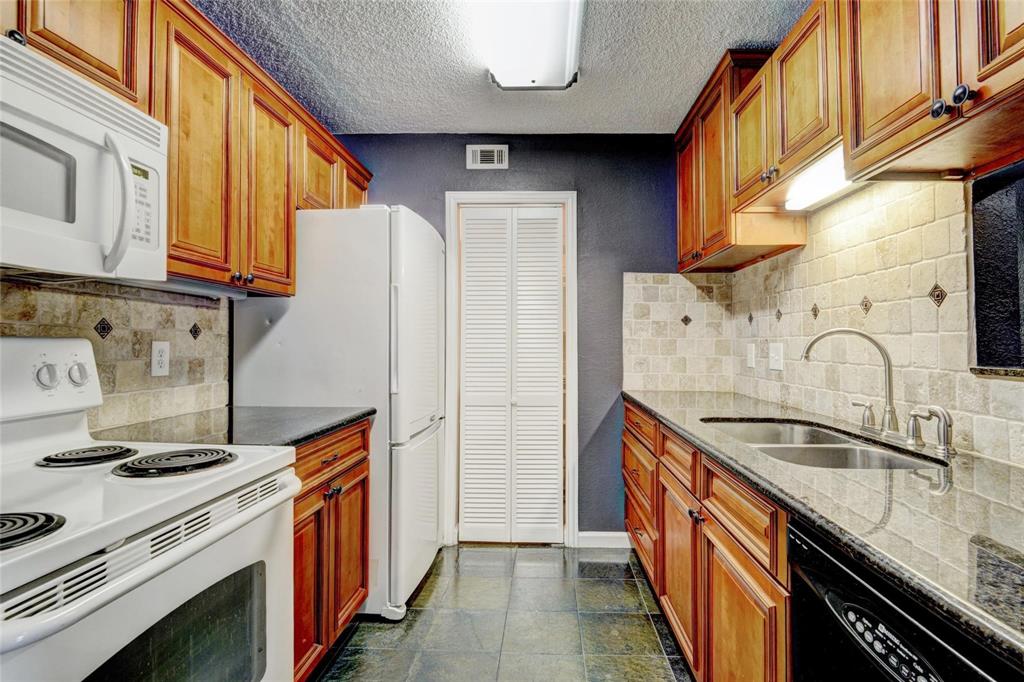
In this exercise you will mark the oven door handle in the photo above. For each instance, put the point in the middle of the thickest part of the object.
(122, 237)
(20, 632)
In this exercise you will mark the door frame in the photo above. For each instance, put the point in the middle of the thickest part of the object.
(450, 466)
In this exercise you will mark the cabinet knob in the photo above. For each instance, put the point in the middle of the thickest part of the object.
(962, 93)
(763, 177)
(772, 171)
(695, 515)
(250, 278)
(940, 108)
(237, 277)
(17, 36)
(638, 531)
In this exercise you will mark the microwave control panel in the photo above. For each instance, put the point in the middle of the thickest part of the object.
(144, 232)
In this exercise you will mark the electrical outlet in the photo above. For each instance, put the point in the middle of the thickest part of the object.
(751, 355)
(161, 361)
(775, 356)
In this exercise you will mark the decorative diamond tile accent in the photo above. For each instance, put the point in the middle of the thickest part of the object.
(865, 305)
(103, 328)
(937, 294)
(750, 318)
(778, 315)
(686, 320)
(815, 310)
(195, 331)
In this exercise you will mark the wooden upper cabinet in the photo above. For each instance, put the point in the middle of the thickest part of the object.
(687, 200)
(712, 131)
(805, 88)
(897, 63)
(107, 41)
(752, 130)
(680, 594)
(991, 50)
(355, 188)
(269, 131)
(321, 173)
(196, 93)
(746, 620)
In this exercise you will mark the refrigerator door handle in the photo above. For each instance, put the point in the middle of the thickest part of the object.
(394, 339)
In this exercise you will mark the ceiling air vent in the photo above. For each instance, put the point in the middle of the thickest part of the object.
(479, 156)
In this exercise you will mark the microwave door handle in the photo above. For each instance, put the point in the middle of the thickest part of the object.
(113, 258)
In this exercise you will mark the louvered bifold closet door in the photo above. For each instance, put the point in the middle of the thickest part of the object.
(511, 402)
(537, 375)
(485, 420)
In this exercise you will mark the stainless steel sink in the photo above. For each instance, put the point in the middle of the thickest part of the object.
(816, 447)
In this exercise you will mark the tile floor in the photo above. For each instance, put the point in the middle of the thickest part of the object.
(526, 613)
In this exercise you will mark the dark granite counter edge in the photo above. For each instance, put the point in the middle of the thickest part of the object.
(328, 427)
(983, 628)
(1009, 372)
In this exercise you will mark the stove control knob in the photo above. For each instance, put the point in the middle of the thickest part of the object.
(78, 374)
(46, 376)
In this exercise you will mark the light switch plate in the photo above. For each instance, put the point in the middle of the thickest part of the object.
(751, 355)
(775, 356)
(160, 365)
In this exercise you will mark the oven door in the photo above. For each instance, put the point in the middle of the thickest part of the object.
(82, 175)
(224, 612)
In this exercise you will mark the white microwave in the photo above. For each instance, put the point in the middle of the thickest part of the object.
(83, 175)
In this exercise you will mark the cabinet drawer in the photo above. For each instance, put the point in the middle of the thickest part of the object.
(681, 458)
(757, 524)
(644, 426)
(639, 466)
(641, 531)
(328, 456)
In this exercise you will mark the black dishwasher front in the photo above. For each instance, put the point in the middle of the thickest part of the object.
(850, 623)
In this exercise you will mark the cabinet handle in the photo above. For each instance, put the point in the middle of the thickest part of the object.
(635, 472)
(237, 276)
(250, 278)
(962, 93)
(940, 108)
(17, 36)
(695, 515)
(333, 458)
(638, 531)
(763, 177)
(636, 423)
(332, 491)
(772, 171)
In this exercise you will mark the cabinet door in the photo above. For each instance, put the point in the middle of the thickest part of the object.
(712, 131)
(355, 190)
(899, 57)
(991, 48)
(196, 96)
(310, 540)
(349, 510)
(752, 138)
(104, 40)
(745, 622)
(805, 88)
(268, 129)
(688, 200)
(680, 595)
(320, 173)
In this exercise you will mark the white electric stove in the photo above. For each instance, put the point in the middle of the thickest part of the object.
(111, 552)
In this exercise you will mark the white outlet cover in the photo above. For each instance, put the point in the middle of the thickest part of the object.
(775, 356)
(160, 364)
(751, 355)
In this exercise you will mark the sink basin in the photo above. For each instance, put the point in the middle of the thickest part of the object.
(850, 456)
(770, 433)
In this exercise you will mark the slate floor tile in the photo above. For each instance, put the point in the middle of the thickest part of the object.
(650, 601)
(430, 592)
(681, 669)
(486, 561)
(628, 669)
(668, 640)
(619, 634)
(541, 632)
(603, 563)
(407, 633)
(542, 594)
(540, 668)
(545, 562)
(370, 664)
(453, 666)
(462, 630)
(476, 592)
(444, 562)
(609, 596)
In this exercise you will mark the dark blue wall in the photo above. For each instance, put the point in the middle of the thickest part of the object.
(626, 222)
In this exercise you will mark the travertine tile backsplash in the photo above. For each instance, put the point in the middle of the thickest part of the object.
(196, 327)
(872, 262)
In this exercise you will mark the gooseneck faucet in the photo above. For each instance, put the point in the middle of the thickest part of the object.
(890, 425)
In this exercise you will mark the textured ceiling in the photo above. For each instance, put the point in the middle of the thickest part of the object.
(393, 66)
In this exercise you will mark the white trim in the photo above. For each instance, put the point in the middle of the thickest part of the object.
(449, 513)
(597, 538)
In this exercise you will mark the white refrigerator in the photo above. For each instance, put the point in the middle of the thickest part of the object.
(366, 327)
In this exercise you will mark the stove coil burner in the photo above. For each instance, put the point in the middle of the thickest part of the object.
(174, 463)
(86, 456)
(21, 527)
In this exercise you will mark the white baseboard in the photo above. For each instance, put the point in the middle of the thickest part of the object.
(612, 539)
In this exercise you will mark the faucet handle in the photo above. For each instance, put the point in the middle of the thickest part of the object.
(945, 427)
(914, 438)
(867, 419)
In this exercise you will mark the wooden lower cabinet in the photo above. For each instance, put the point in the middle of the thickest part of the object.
(330, 546)
(680, 593)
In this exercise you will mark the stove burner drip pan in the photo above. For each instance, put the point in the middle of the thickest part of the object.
(174, 463)
(18, 528)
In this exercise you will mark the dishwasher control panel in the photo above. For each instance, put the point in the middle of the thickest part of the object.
(885, 646)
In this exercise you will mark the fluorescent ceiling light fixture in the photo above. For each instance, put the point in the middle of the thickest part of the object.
(529, 44)
(819, 181)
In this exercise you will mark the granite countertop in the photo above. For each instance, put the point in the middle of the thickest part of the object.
(954, 536)
(290, 425)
